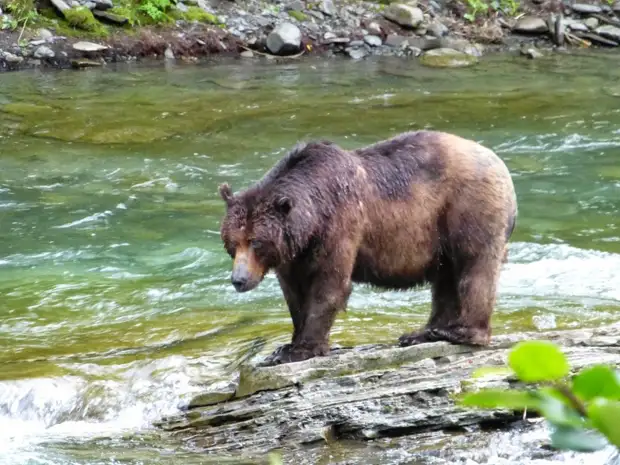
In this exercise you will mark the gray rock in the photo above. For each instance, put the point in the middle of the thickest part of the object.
(591, 23)
(609, 32)
(44, 52)
(356, 43)
(60, 5)
(447, 58)
(262, 21)
(616, 7)
(182, 7)
(461, 45)
(575, 25)
(168, 54)
(438, 29)
(596, 38)
(396, 41)
(35, 43)
(45, 34)
(356, 53)
(103, 4)
(12, 58)
(404, 15)
(531, 52)
(585, 8)
(531, 25)
(328, 7)
(285, 39)
(296, 5)
(247, 54)
(373, 41)
(374, 28)
(84, 46)
(90, 5)
(112, 18)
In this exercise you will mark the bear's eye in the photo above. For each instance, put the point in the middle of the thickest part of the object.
(257, 245)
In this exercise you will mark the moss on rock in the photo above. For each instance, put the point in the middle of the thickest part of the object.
(82, 18)
(195, 13)
(298, 15)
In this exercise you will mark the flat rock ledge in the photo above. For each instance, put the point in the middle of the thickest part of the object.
(365, 393)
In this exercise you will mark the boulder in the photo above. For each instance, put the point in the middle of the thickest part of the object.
(285, 39)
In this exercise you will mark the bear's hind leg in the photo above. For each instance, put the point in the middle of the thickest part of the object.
(462, 304)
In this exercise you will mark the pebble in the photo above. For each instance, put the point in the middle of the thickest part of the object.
(328, 7)
(373, 41)
(44, 52)
(404, 15)
(284, 39)
(585, 8)
(591, 23)
(531, 25)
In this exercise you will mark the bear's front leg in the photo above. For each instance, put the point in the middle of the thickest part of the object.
(314, 307)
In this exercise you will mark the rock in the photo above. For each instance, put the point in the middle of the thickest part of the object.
(356, 53)
(328, 7)
(461, 45)
(296, 5)
(285, 39)
(368, 391)
(585, 8)
(182, 7)
(396, 41)
(616, 7)
(35, 43)
(558, 26)
(596, 38)
(447, 58)
(438, 29)
(531, 25)
(575, 25)
(530, 52)
(609, 32)
(84, 46)
(44, 52)
(12, 58)
(247, 54)
(404, 15)
(103, 4)
(374, 28)
(81, 63)
(168, 54)
(60, 5)
(591, 23)
(45, 34)
(373, 41)
(111, 18)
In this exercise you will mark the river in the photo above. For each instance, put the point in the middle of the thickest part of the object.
(116, 299)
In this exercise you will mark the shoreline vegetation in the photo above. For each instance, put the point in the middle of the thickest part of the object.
(438, 33)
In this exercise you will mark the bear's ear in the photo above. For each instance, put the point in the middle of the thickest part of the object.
(283, 205)
(226, 193)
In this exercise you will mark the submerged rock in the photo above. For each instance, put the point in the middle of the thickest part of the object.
(404, 15)
(285, 39)
(447, 58)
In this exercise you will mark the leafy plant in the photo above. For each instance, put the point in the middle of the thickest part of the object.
(478, 8)
(584, 411)
(156, 9)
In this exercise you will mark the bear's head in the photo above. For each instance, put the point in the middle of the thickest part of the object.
(255, 234)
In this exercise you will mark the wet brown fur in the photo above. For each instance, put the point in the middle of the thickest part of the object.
(421, 207)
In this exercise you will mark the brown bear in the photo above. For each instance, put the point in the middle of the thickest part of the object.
(421, 207)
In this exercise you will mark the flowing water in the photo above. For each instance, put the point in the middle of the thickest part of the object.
(116, 304)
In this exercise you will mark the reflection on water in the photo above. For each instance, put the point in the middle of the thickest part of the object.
(116, 298)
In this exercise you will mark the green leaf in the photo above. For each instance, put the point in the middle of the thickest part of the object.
(598, 381)
(497, 398)
(605, 416)
(484, 371)
(577, 439)
(536, 361)
(557, 412)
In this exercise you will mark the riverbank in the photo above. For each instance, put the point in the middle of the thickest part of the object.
(89, 33)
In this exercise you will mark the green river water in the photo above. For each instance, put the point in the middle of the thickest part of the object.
(116, 301)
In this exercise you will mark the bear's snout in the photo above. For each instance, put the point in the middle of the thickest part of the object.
(242, 279)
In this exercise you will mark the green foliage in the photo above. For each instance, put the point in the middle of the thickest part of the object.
(298, 15)
(584, 411)
(195, 13)
(23, 11)
(156, 10)
(478, 8)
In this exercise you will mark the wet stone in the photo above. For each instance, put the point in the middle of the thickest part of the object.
(609, 32)
(531, 25)
(585, 8)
